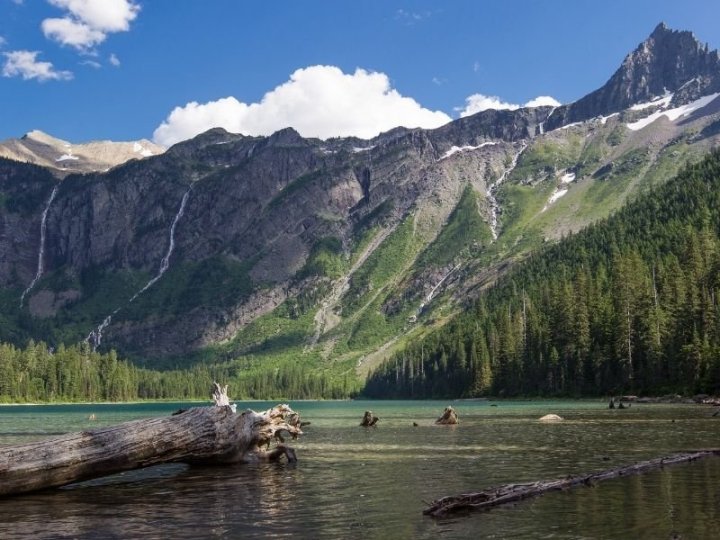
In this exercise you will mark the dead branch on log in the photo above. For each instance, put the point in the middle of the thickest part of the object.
(449, 417)
(509, 493)
(208, 435)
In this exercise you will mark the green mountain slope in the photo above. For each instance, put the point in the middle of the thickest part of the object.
(631, 304)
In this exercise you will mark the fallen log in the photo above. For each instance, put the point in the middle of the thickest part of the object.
(510, 493)
(200, 435)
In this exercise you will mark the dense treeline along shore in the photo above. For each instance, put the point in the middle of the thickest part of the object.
(38, 373)
(631, 303)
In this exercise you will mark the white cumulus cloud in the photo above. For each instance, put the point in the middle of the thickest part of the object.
(87, 22)
(480, 102)
(70, 32)
(26, 65)
(543, 101)
(318, 101)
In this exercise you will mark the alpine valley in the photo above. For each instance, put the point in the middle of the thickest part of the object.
(298, 267)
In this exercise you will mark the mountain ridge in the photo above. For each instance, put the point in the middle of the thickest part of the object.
(255, 241)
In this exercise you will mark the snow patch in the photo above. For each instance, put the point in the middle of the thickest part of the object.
(455, 149)
(358, 149)
(140, 149)
(662, 101)
(559, 192)
(604, 119)
(66, 157)
(567, 178)
(574, 124)
(674, 114)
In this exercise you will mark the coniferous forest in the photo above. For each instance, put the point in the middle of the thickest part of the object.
(628, 305)
(38, 373)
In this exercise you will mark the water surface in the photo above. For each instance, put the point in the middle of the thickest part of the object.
(352, 482)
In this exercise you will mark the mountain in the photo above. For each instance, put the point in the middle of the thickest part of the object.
(42, 149)
(627, 306)
(667, 62)
(269, 252)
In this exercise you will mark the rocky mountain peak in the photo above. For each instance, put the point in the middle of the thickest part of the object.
(666, 62)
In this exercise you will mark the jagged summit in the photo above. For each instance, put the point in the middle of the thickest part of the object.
(668, 61)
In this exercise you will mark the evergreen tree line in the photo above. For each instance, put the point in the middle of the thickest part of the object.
(628, 305)
(37, 373)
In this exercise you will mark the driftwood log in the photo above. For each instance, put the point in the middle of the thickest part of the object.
(207, 435)
(449, 417)
(369, 419)
(510, 493)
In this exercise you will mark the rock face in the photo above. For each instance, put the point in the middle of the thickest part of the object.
(667, 61)
(42, 149)
(182, 250)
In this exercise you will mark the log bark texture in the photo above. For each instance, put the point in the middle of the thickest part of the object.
(198, 435)
(510, 493)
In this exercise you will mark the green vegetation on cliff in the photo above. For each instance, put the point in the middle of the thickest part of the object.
(631, 304)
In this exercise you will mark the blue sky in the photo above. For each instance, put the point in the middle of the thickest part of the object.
(119, 68)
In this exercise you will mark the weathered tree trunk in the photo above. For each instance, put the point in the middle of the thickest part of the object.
(449, 416)
(369, 419)
(198, 435)
(496, 496)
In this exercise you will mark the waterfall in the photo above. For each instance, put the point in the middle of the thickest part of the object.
(41, 252)
(431, 294)
(541, 126)
(95, 337)
(165, 262)
(494, 206)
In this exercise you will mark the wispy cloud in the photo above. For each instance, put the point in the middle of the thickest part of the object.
(318, 101)
(87, 23)
(476, 66)
(114, 60)
(91, 63)
(410, 18)
(3, 41)
(480, 102)
(439, 81)
(26, 65)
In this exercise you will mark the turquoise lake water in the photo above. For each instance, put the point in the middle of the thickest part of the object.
(352, 482)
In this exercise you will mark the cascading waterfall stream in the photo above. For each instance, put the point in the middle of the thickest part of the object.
(432, 292)
(494, 206)
(41, 252)
(541, 126)
(95, 337)
(165, 262)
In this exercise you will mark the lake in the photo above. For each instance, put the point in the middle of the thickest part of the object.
(353, 482)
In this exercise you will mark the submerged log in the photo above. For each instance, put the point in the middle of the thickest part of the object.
(207, 435)
(449, 417)
(510, 493)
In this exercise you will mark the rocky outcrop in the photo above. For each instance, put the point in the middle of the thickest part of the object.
(667, 61)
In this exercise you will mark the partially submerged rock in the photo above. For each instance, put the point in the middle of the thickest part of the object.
(551, 418)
